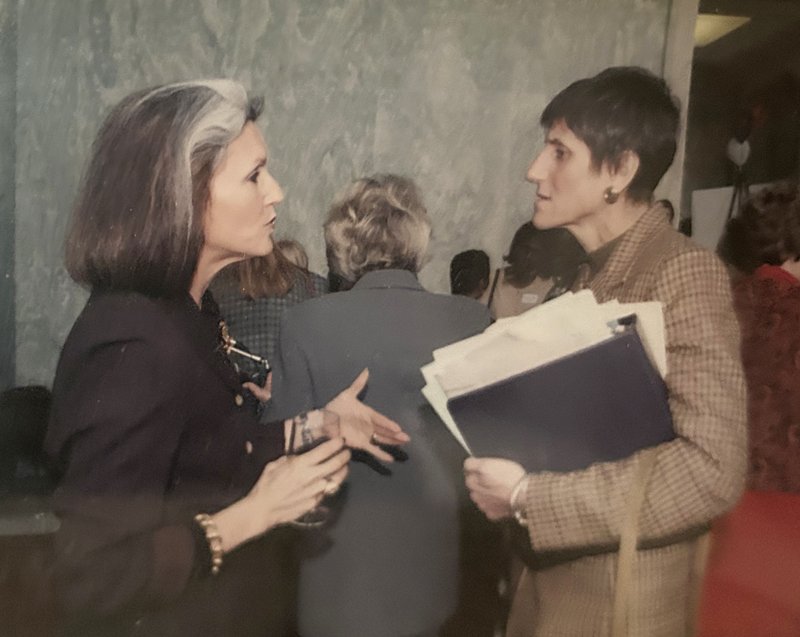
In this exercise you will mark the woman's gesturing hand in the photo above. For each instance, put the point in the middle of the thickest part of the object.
(363, 427)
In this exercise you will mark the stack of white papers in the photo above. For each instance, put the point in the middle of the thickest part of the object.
(511, 346)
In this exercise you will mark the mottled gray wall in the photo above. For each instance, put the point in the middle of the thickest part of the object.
(445, 91)
(8, 108)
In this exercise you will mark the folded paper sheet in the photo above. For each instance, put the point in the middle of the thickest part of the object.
(567, 325)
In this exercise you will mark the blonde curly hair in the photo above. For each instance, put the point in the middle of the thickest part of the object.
(378, 223)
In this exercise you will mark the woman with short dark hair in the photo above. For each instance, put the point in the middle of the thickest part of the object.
(619, 113)
(172, 493)
(608, 141)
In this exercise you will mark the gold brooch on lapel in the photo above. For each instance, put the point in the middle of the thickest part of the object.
(230, 345)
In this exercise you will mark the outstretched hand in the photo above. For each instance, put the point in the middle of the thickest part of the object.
(363, 427)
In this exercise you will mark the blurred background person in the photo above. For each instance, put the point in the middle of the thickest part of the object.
(253, 295)
(766, 248)
(296, 253)
(388, 565)
(469, 273)
(541, 265)
(755, 556)
(669, 210)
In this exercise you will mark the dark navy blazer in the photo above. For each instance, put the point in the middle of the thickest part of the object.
(150, 428)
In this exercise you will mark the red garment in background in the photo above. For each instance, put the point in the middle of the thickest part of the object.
(752, 585)
(768, 306)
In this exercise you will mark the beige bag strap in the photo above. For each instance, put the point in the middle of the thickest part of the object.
(699, 563)
(628, 539)
(521, 616)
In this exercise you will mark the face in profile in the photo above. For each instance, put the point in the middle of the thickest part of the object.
(240, 217)
(569, 189)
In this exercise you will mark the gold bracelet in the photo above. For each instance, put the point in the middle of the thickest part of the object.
(213, 538)
(520, 512)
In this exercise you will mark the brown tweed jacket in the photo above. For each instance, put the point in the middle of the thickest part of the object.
(698, 476)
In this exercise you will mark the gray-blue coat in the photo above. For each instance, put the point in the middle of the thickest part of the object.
(388, 564)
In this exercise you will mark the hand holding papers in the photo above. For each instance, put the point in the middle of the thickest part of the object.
(561, 386)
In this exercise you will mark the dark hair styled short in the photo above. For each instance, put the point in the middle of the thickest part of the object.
(766, 231)
(469, 273)
(622, 109)
(549, 254)
(137, 223)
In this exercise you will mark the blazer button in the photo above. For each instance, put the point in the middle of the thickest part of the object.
(238, 400)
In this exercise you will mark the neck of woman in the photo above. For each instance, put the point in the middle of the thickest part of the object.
(595, 231)
(206, 270)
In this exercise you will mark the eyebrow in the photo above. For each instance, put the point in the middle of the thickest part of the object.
(554, 141)
(260, 163)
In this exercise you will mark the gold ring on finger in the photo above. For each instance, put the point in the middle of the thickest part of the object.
(330, 487)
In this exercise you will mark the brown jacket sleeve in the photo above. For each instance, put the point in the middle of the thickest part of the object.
(698, 475)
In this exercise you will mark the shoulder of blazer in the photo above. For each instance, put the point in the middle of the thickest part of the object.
(111, 317)
(334, 309)
(465, 306)
(660, 246)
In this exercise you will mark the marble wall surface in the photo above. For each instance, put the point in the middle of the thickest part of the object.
(8, 109)
(445, 91)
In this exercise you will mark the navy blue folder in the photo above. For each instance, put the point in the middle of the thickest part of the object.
(599, 404)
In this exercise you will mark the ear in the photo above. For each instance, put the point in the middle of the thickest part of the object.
(622, 175)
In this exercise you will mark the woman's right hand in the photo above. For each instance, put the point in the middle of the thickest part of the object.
(293, 485)
(287, 488)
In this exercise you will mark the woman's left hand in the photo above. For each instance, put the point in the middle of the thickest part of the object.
(264, 393)
(363, 427)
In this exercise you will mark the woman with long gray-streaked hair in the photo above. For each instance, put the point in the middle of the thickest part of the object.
(389, 565)
(172, 492)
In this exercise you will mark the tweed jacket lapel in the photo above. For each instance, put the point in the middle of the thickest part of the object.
(612, 278)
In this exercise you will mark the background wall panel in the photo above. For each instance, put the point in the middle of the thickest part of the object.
(445, 91)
